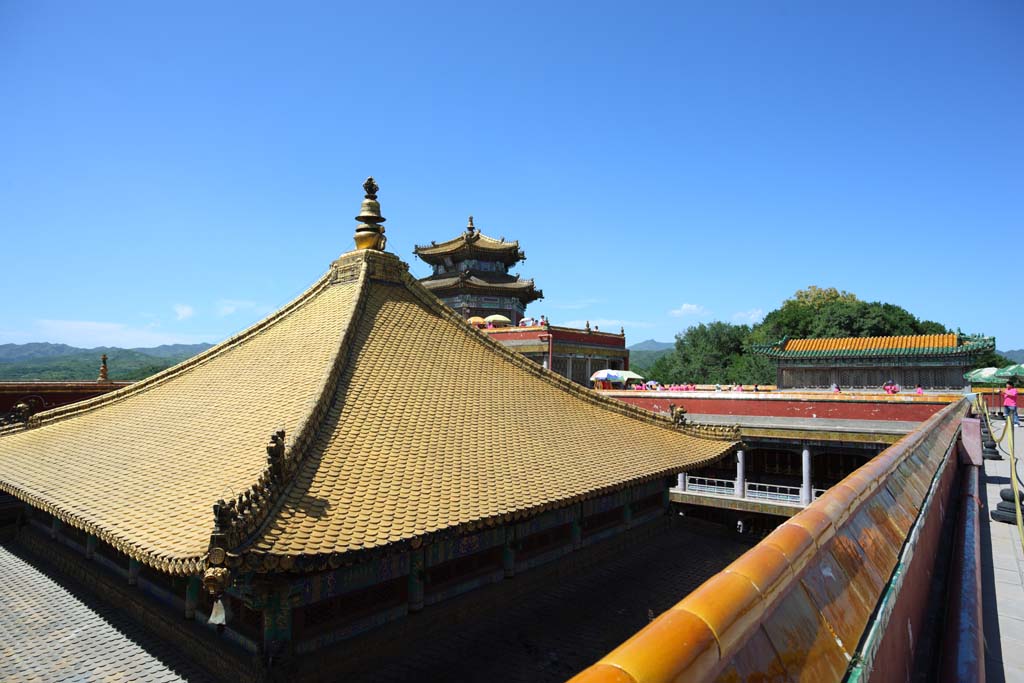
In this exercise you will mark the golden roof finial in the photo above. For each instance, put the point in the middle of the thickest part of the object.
(470, 227)
(370, 232)
(103, 369)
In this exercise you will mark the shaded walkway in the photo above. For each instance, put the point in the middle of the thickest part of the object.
(1003, 578)
(50, 634)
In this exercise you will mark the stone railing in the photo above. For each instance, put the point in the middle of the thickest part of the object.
(795, 606)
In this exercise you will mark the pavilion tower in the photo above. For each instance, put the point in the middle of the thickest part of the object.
(471, 275)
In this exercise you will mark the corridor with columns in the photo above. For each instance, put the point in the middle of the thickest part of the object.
(775, 476)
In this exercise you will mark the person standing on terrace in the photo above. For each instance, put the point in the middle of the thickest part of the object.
(1010, 403)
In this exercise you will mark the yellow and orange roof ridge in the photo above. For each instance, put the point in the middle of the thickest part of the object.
(923, 344)
(400, 420)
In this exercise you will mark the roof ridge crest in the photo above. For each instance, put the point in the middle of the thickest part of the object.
(435, 304)
(243, 519)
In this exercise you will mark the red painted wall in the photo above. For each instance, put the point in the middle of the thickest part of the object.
(908, 408)
(52, 394)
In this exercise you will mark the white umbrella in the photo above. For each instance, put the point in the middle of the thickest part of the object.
(614, 376)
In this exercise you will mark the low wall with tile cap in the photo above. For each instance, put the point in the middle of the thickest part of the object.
(846, 406)
(797, 605)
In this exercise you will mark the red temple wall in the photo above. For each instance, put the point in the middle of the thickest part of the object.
(880, 407)
(52, 394)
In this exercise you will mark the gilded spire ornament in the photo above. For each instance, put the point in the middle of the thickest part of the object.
(370, 232)
(470, 227)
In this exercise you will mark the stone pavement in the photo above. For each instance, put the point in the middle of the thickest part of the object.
(48, 634)
(1002, 576)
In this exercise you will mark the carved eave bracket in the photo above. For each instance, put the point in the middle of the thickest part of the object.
(237, 520)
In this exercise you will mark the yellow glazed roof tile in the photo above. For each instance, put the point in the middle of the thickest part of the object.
(921, 341)
(400, 421)
(141, 467)
(443, 427)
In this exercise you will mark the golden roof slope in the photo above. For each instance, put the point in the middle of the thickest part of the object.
(400, 421)
(141, 466)
(434, 426)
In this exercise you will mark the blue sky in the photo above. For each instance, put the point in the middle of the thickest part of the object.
(172, 172)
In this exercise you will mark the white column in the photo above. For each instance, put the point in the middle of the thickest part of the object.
(805, 487)
(681, 483)
(568, 366)
(589, 372)
(741, 475)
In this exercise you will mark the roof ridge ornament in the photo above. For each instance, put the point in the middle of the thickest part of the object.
(470, 228)
(103, 370)
(370, 232)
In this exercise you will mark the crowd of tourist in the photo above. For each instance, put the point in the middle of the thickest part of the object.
(686, 386)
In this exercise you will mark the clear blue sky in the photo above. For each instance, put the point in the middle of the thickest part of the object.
(173, 171)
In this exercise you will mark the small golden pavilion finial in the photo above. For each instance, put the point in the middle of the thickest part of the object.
(370, 232)
(470, 227)
(103, 369)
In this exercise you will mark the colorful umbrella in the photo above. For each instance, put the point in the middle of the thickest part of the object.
(1010, 371)
(981, 375)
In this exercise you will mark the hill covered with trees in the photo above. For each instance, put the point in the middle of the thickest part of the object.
(720, 352)
(60, 362)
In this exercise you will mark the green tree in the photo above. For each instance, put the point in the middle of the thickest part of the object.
(721, 353)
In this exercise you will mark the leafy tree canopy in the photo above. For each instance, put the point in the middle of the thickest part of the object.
(720, 352)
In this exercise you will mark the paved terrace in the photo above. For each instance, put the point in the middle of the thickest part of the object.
(48, 633)
(1002, 577)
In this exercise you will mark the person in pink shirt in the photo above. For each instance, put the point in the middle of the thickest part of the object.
(919, 390)
(1010, 403)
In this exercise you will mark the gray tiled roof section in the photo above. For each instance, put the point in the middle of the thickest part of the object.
(49, 635)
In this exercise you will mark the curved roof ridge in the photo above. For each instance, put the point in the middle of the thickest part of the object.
(567, 385)
(460, 239)
(63, 412)
(249, 517)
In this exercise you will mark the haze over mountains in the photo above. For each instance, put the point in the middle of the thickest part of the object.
(60, 362)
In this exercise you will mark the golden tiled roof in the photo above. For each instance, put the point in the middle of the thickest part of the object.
(434, 426)
(920, 341)
(401, 421)
(877, 347)
(141, 466)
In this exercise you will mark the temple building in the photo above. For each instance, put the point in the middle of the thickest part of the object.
(361, 454)
(935, 361)
(471, 275)
(571, 352)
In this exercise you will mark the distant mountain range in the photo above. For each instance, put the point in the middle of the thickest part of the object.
(651, 345)
(643, 354)
(60, 362)
(1016, 356)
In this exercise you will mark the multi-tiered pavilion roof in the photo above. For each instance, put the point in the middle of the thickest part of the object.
(476, 265)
